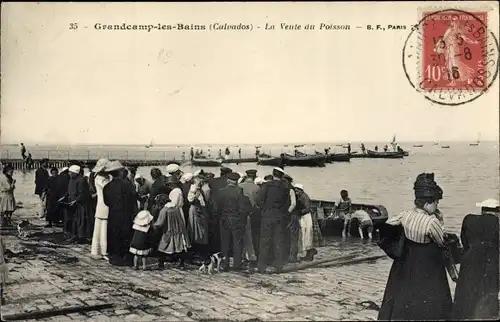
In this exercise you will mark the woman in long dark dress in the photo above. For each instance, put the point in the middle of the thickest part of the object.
(417, 288)
(51, 198)
(121, 200)
(476, 294)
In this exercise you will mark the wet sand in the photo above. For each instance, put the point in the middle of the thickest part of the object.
(49, 280)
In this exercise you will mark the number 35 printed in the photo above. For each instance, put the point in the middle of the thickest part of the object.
(73, 26)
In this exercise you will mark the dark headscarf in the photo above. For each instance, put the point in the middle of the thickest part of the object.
(426, 188)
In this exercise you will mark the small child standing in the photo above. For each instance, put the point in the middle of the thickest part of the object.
(3, 270)
(141, 244)
(365, 222)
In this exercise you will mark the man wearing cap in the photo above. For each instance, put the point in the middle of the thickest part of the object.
(120, 198)
(274, 201)
(41, 179)
(93, 198)
(476, 293)
(233, 208)
(78, 198)
(216, 185)
(251, 190)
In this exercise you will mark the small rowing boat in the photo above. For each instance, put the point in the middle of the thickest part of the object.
(305, 160)
(418, 145)
(265, 159)
(333, 226)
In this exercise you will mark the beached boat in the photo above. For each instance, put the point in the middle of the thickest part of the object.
(305, 160)
(333, 226)
(201, 161)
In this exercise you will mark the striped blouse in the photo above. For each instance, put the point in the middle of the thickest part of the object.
(419, 226)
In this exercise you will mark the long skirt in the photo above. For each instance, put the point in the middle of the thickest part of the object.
(417, 288)
(7, 202)
(476, 294)
(306, 234)
(120, 234)
(77, 216)
(198, 225)
(100, 237)
(318, 240)
(175, 238)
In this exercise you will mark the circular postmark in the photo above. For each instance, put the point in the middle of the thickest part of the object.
(451, 57)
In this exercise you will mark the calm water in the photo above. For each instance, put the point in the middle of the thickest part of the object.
(466, 174)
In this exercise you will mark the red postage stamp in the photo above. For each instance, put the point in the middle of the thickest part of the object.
(454, 46)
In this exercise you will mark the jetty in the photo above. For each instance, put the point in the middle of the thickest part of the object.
(20, 164)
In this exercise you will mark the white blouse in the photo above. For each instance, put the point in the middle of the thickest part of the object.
(176, 199)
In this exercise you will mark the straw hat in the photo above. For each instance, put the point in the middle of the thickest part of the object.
(100, 165)
(299, 186)
(171, 168)
(74, 169)
(488, 203)
(113, 166)
(142, 221)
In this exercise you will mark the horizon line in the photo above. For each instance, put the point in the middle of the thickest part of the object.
(233, 143)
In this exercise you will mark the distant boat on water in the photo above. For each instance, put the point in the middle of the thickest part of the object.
(445, 146)
(150, 145)
(418, 145)
(477, 142)
(436, 143)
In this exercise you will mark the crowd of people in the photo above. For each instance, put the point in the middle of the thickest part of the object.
(262, 223)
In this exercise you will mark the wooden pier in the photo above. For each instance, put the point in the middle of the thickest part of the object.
(20, 164)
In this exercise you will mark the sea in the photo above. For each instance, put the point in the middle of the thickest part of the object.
(467, 174)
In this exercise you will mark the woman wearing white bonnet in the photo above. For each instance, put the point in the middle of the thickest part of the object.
(476, 293)
(310, 234)
(174, 169)
(99, 237)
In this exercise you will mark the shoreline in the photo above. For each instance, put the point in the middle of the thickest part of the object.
(46, 276)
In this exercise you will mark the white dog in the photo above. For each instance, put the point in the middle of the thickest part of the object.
(213, 266)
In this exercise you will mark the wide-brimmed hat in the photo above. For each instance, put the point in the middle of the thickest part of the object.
(143, 218)
(113, 166)
(74, 169)
(100, 165)
(279, 170)
(299, 186)
(172, 167)
(488, 203)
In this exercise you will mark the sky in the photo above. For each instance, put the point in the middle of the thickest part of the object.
(85, 86)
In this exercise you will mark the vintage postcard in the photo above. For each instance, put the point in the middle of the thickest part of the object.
(247, 161)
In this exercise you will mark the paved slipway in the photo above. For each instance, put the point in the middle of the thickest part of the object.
(47, 276)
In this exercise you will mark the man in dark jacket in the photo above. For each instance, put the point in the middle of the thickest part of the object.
(41, 180)
(232, 207)
(251, 190)
(275, 201)
(216, 185)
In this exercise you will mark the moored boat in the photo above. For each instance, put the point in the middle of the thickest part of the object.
(333, 226)
(305, 160)
(265, 159)
(242, 160)
(206, 162)
(339, 157)
(385, 155)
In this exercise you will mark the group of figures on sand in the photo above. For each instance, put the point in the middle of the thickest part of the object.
(423, 253)
(181, 216)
